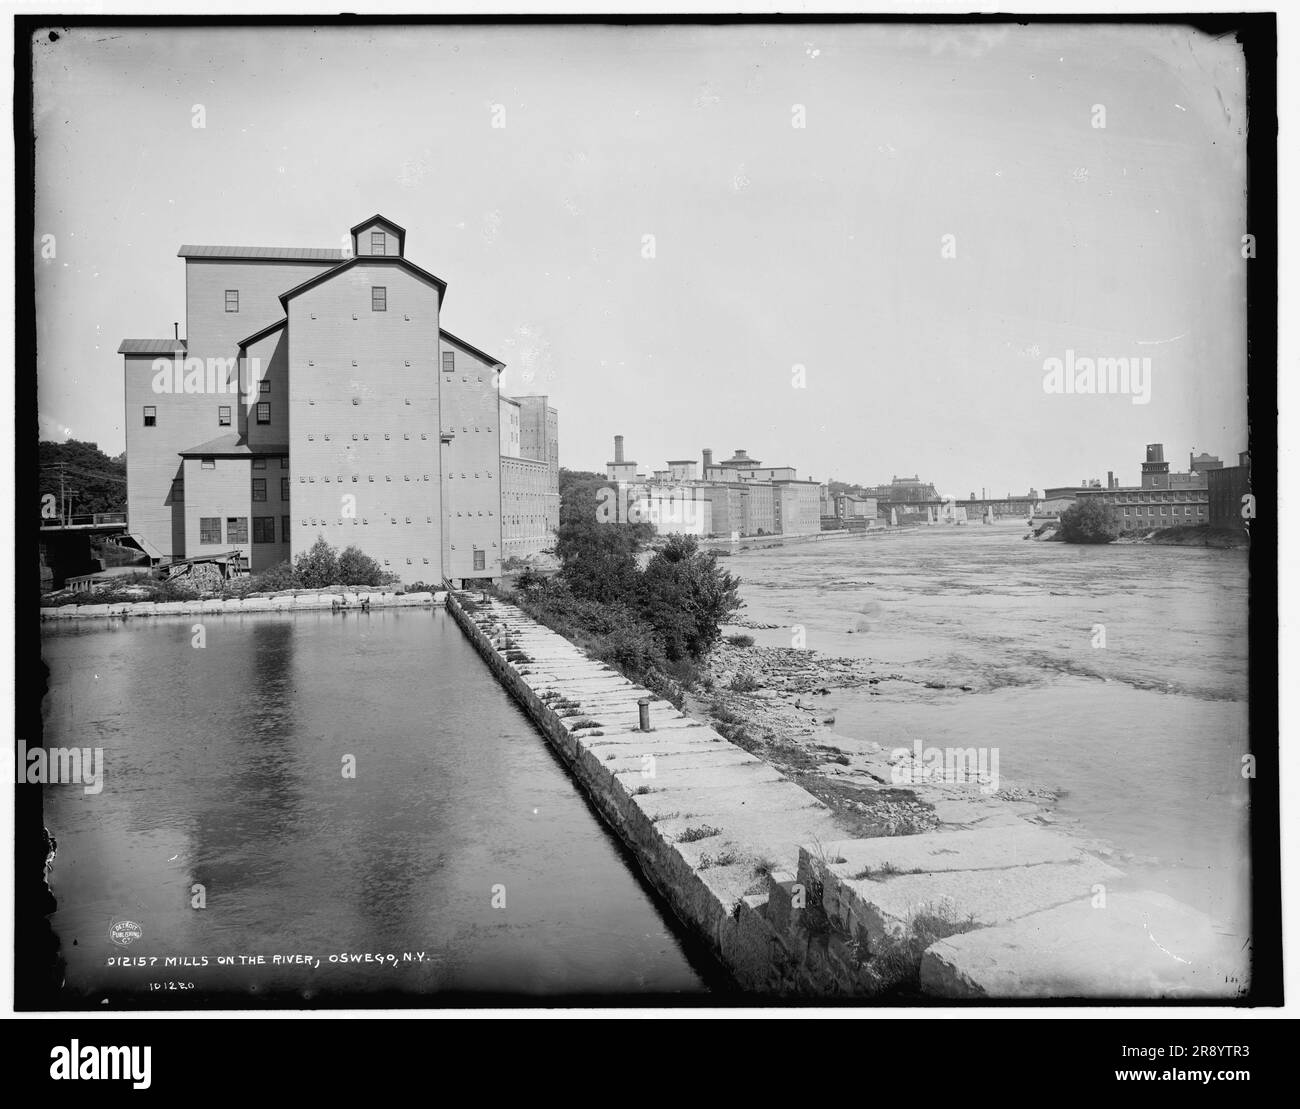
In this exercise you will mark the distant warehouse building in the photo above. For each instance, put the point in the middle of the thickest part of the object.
(317, 394)
(530, 476)
(737, 497)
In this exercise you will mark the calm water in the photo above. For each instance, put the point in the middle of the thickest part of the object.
(224, 768)
(1145, 733)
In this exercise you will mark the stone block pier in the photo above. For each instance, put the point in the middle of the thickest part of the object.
(759, 869)
(298, 601)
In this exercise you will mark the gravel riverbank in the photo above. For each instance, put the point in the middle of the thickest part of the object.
(778, 703)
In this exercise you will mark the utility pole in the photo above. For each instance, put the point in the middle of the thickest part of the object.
(62, 512)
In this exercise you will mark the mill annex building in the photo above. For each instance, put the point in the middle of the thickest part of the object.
(316, 393)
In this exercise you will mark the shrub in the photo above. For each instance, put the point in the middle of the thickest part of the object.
(321, 567)
(357, 568)
(317, 567)
(280, 576)
(741, 640)
(686, 597)
(745, 683)
(1086, 521)
(529, 579)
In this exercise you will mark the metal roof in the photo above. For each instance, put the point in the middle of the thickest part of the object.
(263, 253)
(151, 346)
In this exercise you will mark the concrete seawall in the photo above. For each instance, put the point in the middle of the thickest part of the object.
(758, 868)
(300, 603)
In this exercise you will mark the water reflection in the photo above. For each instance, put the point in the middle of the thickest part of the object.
(226, 771)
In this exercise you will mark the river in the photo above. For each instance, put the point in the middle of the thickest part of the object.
(1116, 673)
(229, 832)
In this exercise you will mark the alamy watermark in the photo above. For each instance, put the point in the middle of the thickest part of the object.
(919, 765)
(662, 507)
(1098, 376)
(83, 766)
(195, 375)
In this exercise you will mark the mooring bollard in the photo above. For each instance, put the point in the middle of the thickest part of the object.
(644, 705)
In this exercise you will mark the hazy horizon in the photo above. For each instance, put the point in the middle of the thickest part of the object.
(776, 247)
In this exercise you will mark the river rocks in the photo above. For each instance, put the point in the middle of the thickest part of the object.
(786, 668)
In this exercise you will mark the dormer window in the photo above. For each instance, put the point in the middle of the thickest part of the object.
(377, 245)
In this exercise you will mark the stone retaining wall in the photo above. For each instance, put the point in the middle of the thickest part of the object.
(300, 603)
(708, 822)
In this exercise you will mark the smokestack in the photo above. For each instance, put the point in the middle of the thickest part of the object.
(1110, 479)
(618, 448)
(708, 460)
(176, 328)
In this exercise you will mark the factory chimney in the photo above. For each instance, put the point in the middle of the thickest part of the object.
(618, 448)
(708, 460)
(1110, 479)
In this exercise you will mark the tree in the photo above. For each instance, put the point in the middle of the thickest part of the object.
(687, 597)
(317, 567)
(1087, 521)
(97, 483)
(597, 552)
(357, 568)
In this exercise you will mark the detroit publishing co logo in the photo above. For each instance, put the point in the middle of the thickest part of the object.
(125, 932)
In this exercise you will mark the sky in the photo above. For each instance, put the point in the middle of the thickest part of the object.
(635, 222)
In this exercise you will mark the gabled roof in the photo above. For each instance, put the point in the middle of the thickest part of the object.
(369, 259)
(151, 346)
(258, 335)
(377, 218)
(471, 348)
(233, 446)
(264, 253)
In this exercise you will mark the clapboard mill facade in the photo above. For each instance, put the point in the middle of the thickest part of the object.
(316, 393)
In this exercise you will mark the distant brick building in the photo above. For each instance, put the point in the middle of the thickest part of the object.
(317, 394)
(1163, 500)
(1229, 486)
